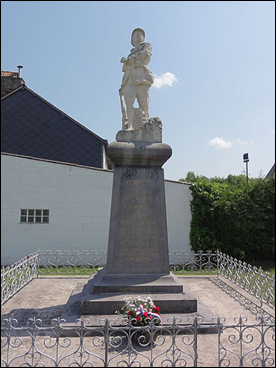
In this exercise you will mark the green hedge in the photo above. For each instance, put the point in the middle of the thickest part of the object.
(236, 219)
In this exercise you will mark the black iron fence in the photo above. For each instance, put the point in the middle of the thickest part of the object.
(108, 344)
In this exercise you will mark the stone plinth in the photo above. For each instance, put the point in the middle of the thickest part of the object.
(138, 240)
(138, 252)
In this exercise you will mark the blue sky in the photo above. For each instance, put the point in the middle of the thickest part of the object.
(213, 62)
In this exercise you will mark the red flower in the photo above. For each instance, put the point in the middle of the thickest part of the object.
(145, 314)
(137, 319)
(156, 310)
(130, 313)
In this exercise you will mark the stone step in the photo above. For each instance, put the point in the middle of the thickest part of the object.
(101, 304)
(113, 284)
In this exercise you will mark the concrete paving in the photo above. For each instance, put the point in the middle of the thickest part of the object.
(46, 297)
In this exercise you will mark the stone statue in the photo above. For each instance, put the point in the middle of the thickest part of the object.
(136, 82)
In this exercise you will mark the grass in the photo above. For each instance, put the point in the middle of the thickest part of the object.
(79, 270)
(267, 265)
(196, 272)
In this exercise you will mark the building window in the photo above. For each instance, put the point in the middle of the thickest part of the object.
(34, 216)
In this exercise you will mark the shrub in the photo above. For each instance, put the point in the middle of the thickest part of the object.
(237, 220)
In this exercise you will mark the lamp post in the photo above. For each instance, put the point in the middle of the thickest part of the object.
(246, 160)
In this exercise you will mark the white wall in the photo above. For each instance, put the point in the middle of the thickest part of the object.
(178, 197)
(79, 200)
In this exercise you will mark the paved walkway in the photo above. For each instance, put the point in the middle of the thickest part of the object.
(46, 297)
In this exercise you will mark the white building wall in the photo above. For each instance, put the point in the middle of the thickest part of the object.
(79, 200)
(178, 197)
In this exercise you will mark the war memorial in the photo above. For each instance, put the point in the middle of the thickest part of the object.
(138, 252)
(84, 330)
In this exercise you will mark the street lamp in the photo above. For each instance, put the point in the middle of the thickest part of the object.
(246, 160)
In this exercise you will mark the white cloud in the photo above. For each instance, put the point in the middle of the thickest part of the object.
(220, 143)
(166, 79)
(244, 143)
(241, 142)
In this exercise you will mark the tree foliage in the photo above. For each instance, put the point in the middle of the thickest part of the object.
(229, 216)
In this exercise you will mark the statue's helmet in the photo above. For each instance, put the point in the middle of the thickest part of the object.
(137, 30)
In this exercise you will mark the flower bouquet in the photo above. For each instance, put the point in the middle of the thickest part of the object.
(138, 311)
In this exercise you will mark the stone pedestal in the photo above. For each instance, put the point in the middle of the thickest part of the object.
(138, 253)
(138, 240)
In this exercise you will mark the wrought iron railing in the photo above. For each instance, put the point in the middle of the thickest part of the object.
(71, 262)
(109, 344)
(235, 346)
(253, 280)
(79, 262)
(193, 262)
(17, 275)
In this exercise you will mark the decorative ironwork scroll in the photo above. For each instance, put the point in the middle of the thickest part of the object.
(110, 344)
(16, 276)
(255, 281)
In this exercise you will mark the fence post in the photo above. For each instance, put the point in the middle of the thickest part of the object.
(195, 340)
(263, 350)
(173, 341)
(106, 342)
(217, 251)
(261, 285)
(2, 284)
(219, 326)
(38, 261)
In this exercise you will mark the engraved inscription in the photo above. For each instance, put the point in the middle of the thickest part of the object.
(138, 241)
(137, 226)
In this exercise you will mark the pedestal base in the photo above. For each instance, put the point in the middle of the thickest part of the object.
(104, 294)
(146, 283)
(181, 305)
(102, 304)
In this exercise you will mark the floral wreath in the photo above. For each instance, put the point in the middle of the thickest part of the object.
(140, 311)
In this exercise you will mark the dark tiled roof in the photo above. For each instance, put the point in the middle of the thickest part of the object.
(33, 127)
(271, 172)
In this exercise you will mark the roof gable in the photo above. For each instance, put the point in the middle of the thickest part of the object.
(32, 126)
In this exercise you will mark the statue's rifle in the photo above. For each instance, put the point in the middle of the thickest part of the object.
(123, 109)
